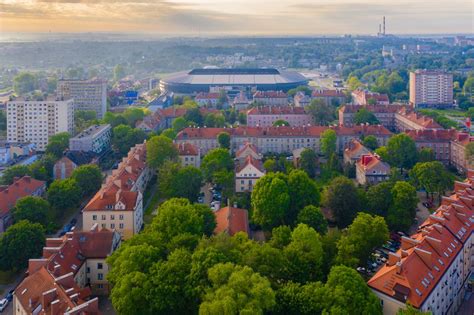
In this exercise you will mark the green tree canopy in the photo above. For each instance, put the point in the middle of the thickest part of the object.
(125, 137)
(379, 198)
(302, 191)
(14, 171)
(341, 197)
(64, 194)
(432, 177)
(179, 124)
(160, 149)
(216, 160)
(177, 181)
(22, 241)
(280, 122)
(426, 155)
(57, 144)
(33, 209)
(322, 113)
(308, 161)
(402, 152)
(223, 138)
(24, 82)
(370, 142)
(328, 142)
(402, 211)
(88, 177)
(364, 116)
(313, 217)
(237, 290)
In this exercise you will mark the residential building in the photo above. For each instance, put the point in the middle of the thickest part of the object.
(189, 154)
(430, 88)
(36, 120)
(410, 120)
(231, 220)
(169, 114)
(385, 114)
(241, 102)
(370, 170)
(21, 187)
(5, 155)
(266, 116)
(432, 269)
(247, 174)
(71, 269)
(301, 99)
(364, 97)
(96, 138)
(64, 167)
(354, 151)
(329, 97)
(208, 99)
(458, 152)
(279, 139)
(21, 149)
(87, 94)
(248, 149)
(150, 123)
(437, 140)
(271, 98)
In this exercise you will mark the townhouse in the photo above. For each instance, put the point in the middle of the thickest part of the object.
(353, 151)
(370, 170)
(71, 270)
(410, 120)
(385, 114)
(119, 203)
(434, 266)
(189, 154)
(208, 99)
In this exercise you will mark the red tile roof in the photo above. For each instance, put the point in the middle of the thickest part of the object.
(231, 220)
(421, 120)
(171, 112)
(21, 187)
(244, 147)
(391, 108)
(270, 94)
(371, 161)
(327, 93)
(432, 135)
(272, 110)
(187, 148)
(250, 160)
(354, 148)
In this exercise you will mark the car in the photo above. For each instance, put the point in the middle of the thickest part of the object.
(9, 296)
(73, 222)
(3, 304)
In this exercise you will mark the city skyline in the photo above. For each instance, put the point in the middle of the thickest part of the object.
(238, 17)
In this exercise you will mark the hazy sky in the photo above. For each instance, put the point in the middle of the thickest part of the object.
(269, 17)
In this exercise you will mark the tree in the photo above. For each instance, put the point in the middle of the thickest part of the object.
(15, 171)
(33, 209)
(237, 290)
(134, 114)
(349, 294)
(322, 113)
(432, 177)
(223, 138)
(470, 153)
(354, 83)
(379, 198)
(57, 144)
(410, 310)
(426, 155)
(401, 213)
(370, 142)
(194, 115)
(125, 137)
(24, 82)
(131, 295)
(119, 72)
(22, 241)
(179, 124)
(270, 165)
(313, 217)
(177, 181)
(64, 194)
(304, 254)
(88, 177)
(341, 197)
(364, 116)
(294, 298)
(308, 161)
(169, 133)
(214, 161)
(402, 151)
(280, 122)
(364, 234)
(383, 153)
(270, 201)
(226, 181)
(328, 142)
(160, 149)
(302, 191)
(3, 121)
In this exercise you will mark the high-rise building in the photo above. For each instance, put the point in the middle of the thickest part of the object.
(431, 89)
(36, 120)
(87, 94)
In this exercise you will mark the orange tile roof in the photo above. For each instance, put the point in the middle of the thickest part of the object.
(272, 110)
(250, 160)
(231, 220)
(174, 111)
(369, 161)
(421, 120)
(187, 148)
(354, 148)
(244, 147)
(414, 271)
(21, 187)
(432, 135)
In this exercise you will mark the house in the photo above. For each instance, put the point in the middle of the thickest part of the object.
(64, 167)
(271, 98)
(432, 270)
(119, 203)
(364, 97)
(189, 154)
(247, 174)
(150, 123)
(266, 116)
(207, 99)
(248, 149)
(71, 269)
(329, 97)
(458, 152)
(301, 99)
(370, 170)
(241, 102)
(354, 151)
(21, 187)
(231, 220)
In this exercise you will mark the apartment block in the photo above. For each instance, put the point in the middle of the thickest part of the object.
(189, 154)
(329, 97)
(87, 94)
(265, 116)
(410, 120)
(35, 121)
(95, 139)
(271, 98)
(432, 269)
(431, 89)
(364, 97)
(385, 114)
(118, 205)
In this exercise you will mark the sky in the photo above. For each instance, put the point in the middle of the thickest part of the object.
(238, 17)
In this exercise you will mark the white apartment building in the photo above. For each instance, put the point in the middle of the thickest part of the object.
(95, 139)
(36, 120)
(431, 89)
(87, 94)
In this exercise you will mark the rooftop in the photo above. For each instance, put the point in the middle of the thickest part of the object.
(91, 131)
(231, 220)
(21, 187)
(276, 110)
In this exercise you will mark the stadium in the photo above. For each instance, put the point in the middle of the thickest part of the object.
(232, 80)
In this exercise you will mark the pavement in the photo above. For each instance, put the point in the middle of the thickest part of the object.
(467, 305)
(7, 288)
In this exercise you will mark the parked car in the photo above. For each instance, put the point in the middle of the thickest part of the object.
(73, 222)
(3, 304)
(9, 296)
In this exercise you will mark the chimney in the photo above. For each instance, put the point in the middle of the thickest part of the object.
(54, 308)
(35, 264)
(48, 297)
(393, 258)
(435, 243)
(95, 227)
(426, 256)
(399, 267)
(57, 270)
(408, 243)
(117, 195)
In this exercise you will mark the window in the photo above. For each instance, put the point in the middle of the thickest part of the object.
(100, 286)
(103, 217)
(121, 225)
(112, 217)
(99, 266)
(94, 217)
(88, 270)
(121, 217)
(112, 225)
(100, 276)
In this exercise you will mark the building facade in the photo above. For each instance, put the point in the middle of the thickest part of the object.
(96, 138)
(266, 116)
(431, 89)
(371, 170)
(363, 97)
(329, 97)
(35, 121)
(271, 98)
(87, 94)
(247, 174)
(189, 154)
